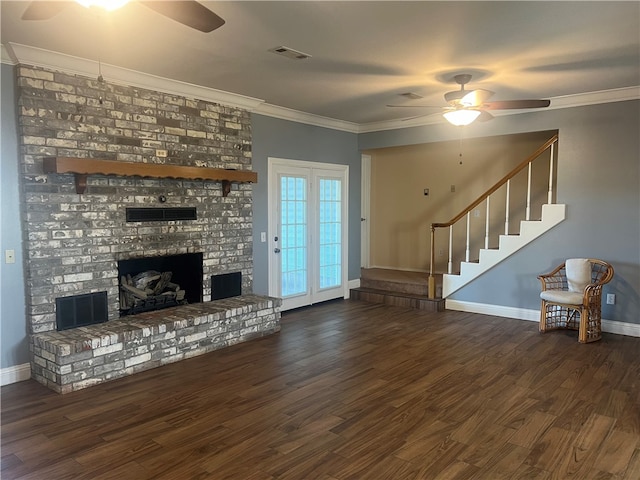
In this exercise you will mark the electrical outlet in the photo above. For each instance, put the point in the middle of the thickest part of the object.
(161, 153)
(453, 188)
(476, 213)
(611, 298)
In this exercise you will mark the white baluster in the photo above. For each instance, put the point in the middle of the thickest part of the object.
(550, 194)
(486, 227)
(506, 219)
(466, 255)
(528, 211)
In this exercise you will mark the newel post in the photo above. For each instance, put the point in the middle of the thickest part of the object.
(432, 280)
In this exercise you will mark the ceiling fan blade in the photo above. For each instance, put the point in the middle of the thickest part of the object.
(516, 104)
(454, 97)
(484, 116)
(41, 10)
(475, 98)
(188, 12)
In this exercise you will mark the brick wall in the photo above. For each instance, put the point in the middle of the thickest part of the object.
(72, 241)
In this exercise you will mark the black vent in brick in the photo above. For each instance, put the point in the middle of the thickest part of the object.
(226, 285)
(81, 310)
(160, 214)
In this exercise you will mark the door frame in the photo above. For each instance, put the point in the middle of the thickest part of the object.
(365, 211)
(273, 221)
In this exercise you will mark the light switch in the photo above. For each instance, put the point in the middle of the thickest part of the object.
(9, 256)
(263, 237)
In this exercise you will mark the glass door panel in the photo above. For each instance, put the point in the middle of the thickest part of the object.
(293, 227)
(330, 238)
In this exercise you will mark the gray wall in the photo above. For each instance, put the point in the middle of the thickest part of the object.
(598, 180)
(13, 326)
(273, 137)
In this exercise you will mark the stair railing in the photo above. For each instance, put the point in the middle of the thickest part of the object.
(466, 212)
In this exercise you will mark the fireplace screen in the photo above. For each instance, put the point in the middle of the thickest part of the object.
(226, 285)
(81, 310)
(153, 283)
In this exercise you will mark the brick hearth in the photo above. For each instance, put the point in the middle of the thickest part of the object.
(81, 357)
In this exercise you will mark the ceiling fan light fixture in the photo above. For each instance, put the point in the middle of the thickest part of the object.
(108, 5)
(461, 117)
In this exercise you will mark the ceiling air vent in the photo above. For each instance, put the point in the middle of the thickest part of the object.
(289, 53)
(160, 214)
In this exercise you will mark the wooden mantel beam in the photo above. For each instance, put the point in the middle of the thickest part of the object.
(81, 167)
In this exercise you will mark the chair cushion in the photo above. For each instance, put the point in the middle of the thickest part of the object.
(562, 296)
(578, 274)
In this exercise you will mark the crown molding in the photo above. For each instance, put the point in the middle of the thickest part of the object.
(398, 124)
(81, 66)
(6, 57)
(594, 98)
(14, 53)
(308, 118)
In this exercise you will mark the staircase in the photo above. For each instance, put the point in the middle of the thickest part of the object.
(552, 214)
(414, 290)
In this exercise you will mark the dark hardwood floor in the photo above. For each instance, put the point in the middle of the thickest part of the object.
(349, 390)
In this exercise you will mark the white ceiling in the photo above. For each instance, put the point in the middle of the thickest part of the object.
(364, 54)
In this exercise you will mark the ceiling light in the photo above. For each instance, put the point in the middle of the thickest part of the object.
(106, 4)
(461, 117)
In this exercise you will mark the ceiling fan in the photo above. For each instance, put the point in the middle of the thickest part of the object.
(465, 106)
(188, 12)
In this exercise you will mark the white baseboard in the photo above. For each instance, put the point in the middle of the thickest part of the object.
(609, 326)
(17, 373)
(621, 328)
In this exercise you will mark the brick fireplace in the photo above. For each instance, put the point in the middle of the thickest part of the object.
(73, 242)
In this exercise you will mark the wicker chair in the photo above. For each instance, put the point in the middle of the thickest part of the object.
(574, 291)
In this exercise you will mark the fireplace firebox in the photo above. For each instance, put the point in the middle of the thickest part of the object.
(153, 283)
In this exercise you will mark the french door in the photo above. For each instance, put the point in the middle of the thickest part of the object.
(307, 231)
